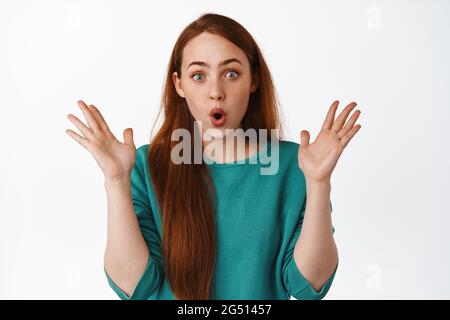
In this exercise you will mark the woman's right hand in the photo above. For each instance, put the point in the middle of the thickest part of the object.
(116, 159)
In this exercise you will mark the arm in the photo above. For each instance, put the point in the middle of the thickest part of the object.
(130, 227)
(315, 251)
(126, 253)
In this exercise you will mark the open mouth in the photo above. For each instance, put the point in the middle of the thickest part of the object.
(217, 116)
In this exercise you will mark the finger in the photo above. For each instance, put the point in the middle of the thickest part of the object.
(99, 118)
(342, 117)
(85, 130)
(82, 141)
(329, 119)
(128, 136)
(349, 135)
(350, 123)
(304, 138)
(88, 115)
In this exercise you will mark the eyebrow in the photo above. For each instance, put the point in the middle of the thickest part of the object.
(228, 61)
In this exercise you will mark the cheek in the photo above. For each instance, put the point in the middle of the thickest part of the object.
(240, 99)
(192, 97)
(195, 109)
(196, 106)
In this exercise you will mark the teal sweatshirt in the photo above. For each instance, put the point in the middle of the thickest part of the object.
(258, 221)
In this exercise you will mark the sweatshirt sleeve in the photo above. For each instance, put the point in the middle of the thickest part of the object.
(152, 276)
(295, 282)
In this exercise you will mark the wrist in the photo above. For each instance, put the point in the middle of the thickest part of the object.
(318, 185)
(117, 180)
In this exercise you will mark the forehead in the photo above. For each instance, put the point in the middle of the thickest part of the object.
(212, 49)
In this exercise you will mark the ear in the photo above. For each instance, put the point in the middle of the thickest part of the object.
(177, 84)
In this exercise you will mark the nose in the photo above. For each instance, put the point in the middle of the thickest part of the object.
(216, 91)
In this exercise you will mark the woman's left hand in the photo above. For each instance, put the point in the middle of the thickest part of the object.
(318, 159)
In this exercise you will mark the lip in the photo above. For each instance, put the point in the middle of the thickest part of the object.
(217, 122)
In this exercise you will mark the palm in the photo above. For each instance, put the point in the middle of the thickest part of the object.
(318, 159)
(116, 159)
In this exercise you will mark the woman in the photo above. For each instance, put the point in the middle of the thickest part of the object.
(218, 228)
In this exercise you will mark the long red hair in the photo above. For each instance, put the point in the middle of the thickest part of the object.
(185, 192)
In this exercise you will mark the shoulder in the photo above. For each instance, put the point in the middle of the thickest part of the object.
(142, 151)
(288, 158)
(288, 147)
(141, 157)
(288, 151)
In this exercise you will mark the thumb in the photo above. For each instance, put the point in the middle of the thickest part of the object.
(304, 138)
(128, 136)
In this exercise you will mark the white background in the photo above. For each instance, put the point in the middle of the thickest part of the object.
(390, 188)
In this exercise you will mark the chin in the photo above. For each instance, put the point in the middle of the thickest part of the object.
(218, 132)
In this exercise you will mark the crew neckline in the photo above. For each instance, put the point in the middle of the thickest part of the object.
(247, 161)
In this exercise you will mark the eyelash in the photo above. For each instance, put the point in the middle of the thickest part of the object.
(227, 72)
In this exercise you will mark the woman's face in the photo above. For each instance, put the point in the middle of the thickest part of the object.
(207, 83)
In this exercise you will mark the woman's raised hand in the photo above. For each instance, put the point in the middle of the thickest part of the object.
(116, 159)
(318, 159)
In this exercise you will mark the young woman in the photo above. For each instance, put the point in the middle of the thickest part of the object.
(218, 228)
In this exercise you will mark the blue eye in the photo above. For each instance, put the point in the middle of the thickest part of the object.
(197, 74)
(234, 73)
